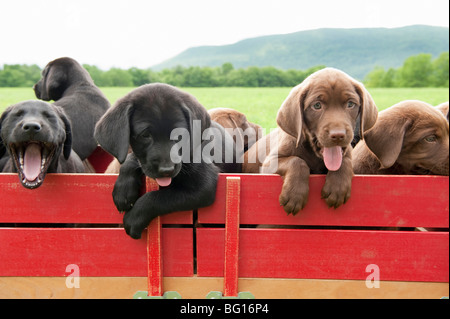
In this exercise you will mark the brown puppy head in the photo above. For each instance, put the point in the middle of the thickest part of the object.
(57, 76)
(412, 135)
(248, 132)
(328, 108)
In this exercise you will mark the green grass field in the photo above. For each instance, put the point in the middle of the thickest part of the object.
(259, 104)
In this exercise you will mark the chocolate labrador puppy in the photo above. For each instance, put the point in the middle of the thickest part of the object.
(66, 82)
(38, 138)
(410, 137)
(245, 133)
(151, 120)
(317, 124)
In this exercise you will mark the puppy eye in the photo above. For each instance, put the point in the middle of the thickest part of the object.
(317, 106)
(431, 139)
(19, 113)
(351, 104)
(146, 135)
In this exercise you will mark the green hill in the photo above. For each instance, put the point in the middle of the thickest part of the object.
(356, 51)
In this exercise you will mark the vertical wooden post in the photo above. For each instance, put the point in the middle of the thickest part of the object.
(154, 252)
(231, 273)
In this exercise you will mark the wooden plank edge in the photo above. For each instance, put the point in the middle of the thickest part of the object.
(199, 287)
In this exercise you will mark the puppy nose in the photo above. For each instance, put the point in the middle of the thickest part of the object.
(166, 171)
(31, 127)
(337, 135)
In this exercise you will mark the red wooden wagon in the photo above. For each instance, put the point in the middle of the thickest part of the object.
(63, 240)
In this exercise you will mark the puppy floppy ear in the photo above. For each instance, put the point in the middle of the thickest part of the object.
(112, 131)
(193, 110)
(385, 139)
(444, 108)
(289, 117)
(2, 148)
(55, 82)
(67, 148)
(368, 112)
(2, 145)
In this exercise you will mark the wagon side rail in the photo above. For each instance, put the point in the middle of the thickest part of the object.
(377, 227)
(71, 220)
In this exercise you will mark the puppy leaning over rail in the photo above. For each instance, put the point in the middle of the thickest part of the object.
(38, 138)
(317, 122)
(243, 133)
(410, 137)
(150, 119)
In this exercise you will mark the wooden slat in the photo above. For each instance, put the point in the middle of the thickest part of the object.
(154, 249)
(66, 198)
(329, 254)
(198, 288)
(381, 201)
(231, 273)
(385, 201)
(97, 252)
(155, 258)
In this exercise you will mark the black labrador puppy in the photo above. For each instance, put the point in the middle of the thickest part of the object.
(38, 138)
(66, 82)
(173, 141)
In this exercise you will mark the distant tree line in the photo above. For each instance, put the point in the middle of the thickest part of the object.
(417, 71)
(225, 75)
(19, 75)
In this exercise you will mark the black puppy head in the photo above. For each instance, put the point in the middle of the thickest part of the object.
(35, 133)
(57, 76)
(144, 120)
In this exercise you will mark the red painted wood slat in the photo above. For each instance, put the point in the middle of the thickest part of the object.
(99, 252)
(380, 201)
(328, 254)
(66, 198)
(155, 258)
(231, 265)
(154, 250)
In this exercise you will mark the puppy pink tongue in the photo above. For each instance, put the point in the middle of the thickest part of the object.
(332, 157)
(32, 162)
(164, 181)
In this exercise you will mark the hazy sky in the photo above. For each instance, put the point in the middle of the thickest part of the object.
(142, 33)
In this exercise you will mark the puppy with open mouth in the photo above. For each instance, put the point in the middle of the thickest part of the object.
(37, 136)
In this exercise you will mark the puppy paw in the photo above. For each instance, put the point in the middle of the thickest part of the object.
(336, 194)
(125, 195)
(133, 226)
(293, 199)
